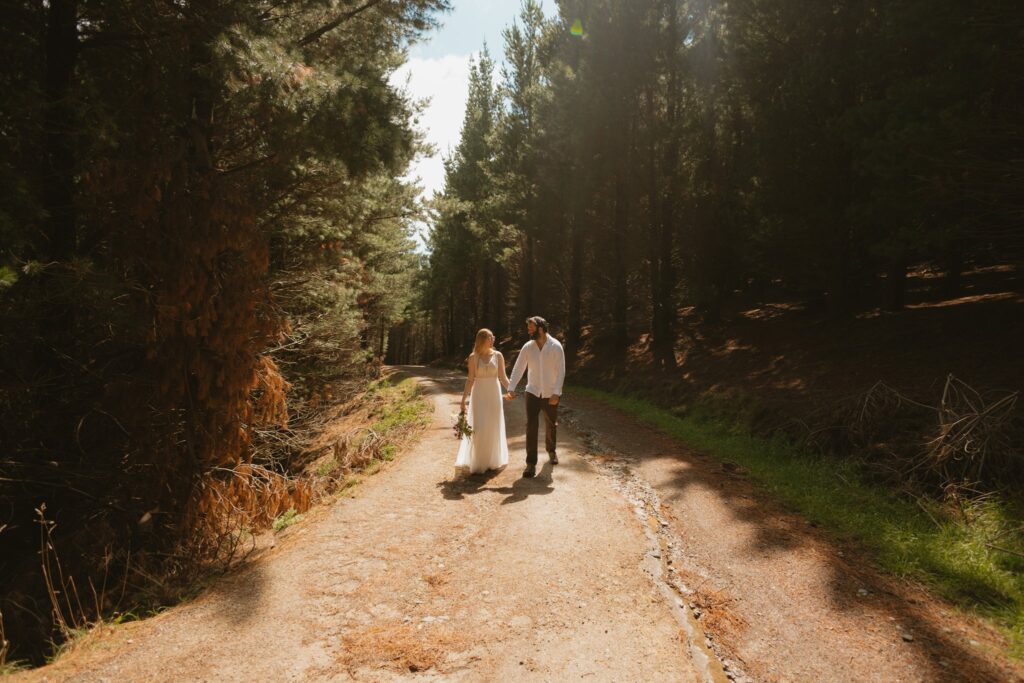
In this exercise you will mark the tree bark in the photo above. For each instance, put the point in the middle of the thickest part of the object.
(58, 171)
(574, 330)
(527, 293)
(620, 333)
(953, 264)
(896, 284)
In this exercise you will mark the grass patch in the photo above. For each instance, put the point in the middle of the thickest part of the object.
(971, 557)
(11, 668)
(287, 519)
(395, 412)
(402, 406)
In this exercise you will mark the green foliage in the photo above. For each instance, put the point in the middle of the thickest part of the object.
(950, 551)
(286, 520)
(402, 407)
(204, 209)
(693, 153)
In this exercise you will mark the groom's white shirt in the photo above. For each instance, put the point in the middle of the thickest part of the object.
(546, 368)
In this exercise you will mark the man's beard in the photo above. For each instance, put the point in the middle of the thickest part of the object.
(535, 335)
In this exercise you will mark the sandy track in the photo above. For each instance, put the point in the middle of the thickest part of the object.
(485, 579)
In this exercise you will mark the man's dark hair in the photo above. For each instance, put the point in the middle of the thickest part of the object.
(539, 322)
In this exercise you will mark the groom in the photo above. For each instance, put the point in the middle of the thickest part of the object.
(545, 360)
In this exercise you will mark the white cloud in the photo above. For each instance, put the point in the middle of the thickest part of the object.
(444, 80)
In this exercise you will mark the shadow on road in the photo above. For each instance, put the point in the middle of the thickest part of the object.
(460, 487)
(522, 488)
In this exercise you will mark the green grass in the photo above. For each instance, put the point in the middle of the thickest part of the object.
(11, 668)
(287, 519)
(398, 410)
(402, 406)
(921, 540)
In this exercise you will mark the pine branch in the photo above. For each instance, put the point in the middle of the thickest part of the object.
(326, 28)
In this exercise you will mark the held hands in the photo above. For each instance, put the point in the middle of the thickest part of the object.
(554, 400)
(509, 395)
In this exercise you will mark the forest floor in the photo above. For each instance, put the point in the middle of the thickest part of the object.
(775, 361)
(633, 559)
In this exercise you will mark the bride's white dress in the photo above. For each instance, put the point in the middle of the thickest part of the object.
(487, 448)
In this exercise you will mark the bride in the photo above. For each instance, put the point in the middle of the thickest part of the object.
(486, 448)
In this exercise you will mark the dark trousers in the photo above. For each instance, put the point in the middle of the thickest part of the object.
(534, 407)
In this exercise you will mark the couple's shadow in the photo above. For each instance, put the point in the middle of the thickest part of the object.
(521, 489)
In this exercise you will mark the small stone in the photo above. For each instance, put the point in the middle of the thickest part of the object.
(907, 637)
(862, 592)
(975, 643)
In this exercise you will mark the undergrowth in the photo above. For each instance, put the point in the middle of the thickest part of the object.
(392, 412)
(397, 412)
(291, 516)
(970, 552)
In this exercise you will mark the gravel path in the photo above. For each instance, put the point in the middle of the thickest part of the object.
(779, 600)
(422, 575)
(635, 559)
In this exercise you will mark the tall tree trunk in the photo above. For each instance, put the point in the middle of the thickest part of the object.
(653, 229)
(474, 301)
(953, 265)
(500, 294)
(620, 333)
(487, 310)
(665, 307)
(450, 339)
(58, 171)
(574, 331)
(528, 274)
(896, 283)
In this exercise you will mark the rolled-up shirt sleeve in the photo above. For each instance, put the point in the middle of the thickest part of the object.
(517, 370)
(560, 374)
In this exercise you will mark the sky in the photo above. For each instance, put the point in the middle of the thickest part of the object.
(438, 69)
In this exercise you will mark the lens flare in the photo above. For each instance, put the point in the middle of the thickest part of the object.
(577, 28)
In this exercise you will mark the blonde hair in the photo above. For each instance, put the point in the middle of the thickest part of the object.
(483, 335)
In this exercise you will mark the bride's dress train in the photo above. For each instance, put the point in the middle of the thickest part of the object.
(487, 448)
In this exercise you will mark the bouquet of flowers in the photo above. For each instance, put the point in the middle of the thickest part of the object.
(462, 427)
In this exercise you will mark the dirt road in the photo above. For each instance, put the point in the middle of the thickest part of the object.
(422, 575)
(635, 559)
(781, 600)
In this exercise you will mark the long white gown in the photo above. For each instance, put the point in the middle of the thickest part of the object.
(487, 448)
